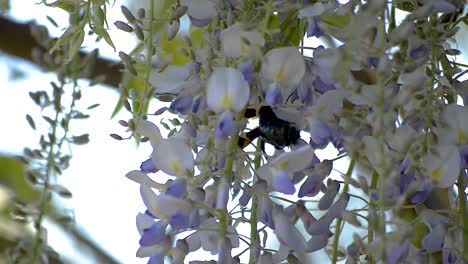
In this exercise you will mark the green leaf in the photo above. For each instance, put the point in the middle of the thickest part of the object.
(103, 33)
(93, 106)
(81, 140)
(335, 20)
(75, 45)
(31, 121)
(67, 36)
(13, 176)
(68, 5)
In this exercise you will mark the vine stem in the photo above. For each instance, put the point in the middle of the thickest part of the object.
(45, 192)
(339, 221)
(382, 164)
(228, 174)
(253, 212)
(149, 56)
(370, 225)
(462, 212)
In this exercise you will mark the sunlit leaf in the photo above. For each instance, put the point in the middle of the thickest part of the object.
(13, 176)
(67, 5)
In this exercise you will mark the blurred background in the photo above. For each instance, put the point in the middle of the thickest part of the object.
(104, 202)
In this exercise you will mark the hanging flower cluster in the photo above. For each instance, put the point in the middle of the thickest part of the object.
(385, 93)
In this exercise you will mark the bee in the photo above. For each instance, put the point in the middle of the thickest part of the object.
(271, 129)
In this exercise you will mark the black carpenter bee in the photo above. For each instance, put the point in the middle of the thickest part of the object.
(271, 129)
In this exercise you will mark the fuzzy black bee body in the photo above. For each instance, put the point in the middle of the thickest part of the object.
(276, 131)
(272, 129)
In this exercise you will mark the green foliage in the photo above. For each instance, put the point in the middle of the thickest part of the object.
(13, 177)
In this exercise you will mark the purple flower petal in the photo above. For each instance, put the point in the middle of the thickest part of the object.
(311, 187)
(265, 212)
(317, 242)
(225, 251)
(405, 177)
(323, 86)
(283, 184)
(327, 199)
(373, 62)
(196, 103)
(340, 205)
(180, 221)
(222, 195)
(158, 259)
(247, 70)
(421, 196)
(305, 93)
(199, 22)
(463, 155)
(419, 52)
(153, 235)
(321, 226)
(226, 126)
(182, 104)
(274, 95)
(287, 233)
(398, 253)
(177, 188)
(148, 166)
(353, 250)
(245, 198)
(313, 29)
(320, 134)
(449, 257)
(434, 241)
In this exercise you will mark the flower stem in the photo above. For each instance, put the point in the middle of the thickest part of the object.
(148, 62)
(228, 174)
(370, 225)
(43, 202)
(339, 221)
(253, 212)
(462, 212)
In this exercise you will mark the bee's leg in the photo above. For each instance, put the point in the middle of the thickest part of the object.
(249, 137)
(262, 146)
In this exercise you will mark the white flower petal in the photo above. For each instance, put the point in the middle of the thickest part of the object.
(311, 11)
(287, 233)
(149, 130)
(171, 205)
(142, 178)
(227, 90)
(232, 44)
(150, 199)
(200, 9)
(456, 119)
(143, 222)
(284, 65)
(174, 157)
(157, 249)
(443, 167)
(172, 80)
(295, 160)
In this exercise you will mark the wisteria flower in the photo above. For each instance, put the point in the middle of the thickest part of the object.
(312, 14)
(233, 41)
(174, 157)
(173, 79)
(200, 12)
(227, 90)
(284, 66)
(443, 166)
(278, 172)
